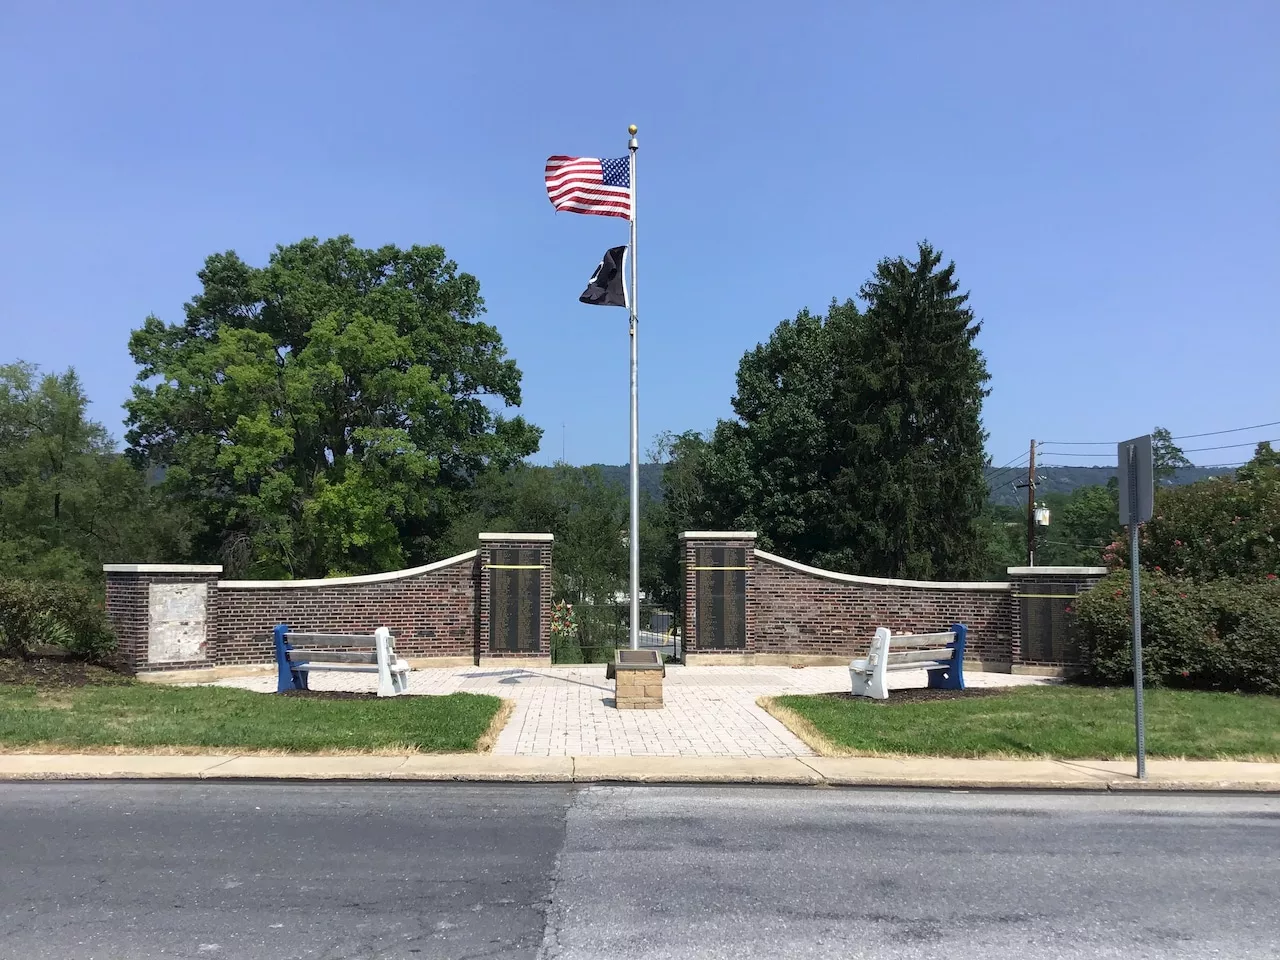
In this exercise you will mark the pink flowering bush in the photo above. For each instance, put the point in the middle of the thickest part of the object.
(1226, 527)
(1214, 635)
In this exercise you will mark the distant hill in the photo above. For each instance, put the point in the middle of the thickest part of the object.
(1066, 479)
(650, 477)
(1053, 479)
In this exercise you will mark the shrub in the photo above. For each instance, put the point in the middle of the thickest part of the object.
(1219, 528)
(36, 613)
(1219, 635)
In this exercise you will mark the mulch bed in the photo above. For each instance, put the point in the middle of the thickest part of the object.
(58, 672)
(328, 695)
(919, 695)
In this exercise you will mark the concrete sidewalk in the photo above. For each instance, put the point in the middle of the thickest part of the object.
(1097, 775)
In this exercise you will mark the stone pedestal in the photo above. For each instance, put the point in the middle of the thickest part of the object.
(637, 675)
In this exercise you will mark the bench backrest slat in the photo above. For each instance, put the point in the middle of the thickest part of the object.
(920, 655)
(329, 656)
(329, 639)
(921, 640)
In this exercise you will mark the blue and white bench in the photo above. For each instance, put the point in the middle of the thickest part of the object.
(364, 654)
(942, 655)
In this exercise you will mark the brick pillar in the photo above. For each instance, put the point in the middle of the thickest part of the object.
(163, 614)
(1042, 603)
(718, 627)
(514, 561)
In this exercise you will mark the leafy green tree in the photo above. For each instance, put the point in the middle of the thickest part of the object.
(587, 514)
(684, 505)
(1167, 457)
(1082, 523)
(328, 412)
(68, 501)
(772, 469)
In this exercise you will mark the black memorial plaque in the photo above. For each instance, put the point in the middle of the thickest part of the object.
(515, 600)
(1048, 629)
(722, 597)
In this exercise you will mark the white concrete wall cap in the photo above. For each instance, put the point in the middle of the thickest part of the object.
(535, 537)
(1057, 571)
(346, 581)
(991, 585)
(718, 535)
(161, 568)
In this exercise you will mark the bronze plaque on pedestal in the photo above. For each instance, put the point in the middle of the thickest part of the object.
(722, 597)
(515, 600)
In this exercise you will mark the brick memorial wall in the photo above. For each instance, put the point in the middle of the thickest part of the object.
(796, 613)
(171, 617)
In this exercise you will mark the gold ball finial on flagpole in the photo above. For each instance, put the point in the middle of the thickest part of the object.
(632, 129)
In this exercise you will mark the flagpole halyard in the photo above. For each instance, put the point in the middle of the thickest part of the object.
(633, 541)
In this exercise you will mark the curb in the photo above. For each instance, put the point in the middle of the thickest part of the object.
(1094, 777)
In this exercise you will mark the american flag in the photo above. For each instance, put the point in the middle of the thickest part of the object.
(590, 185)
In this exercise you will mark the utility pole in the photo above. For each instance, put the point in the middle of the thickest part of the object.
(1031, 508)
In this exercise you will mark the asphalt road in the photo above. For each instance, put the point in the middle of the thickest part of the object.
(129, 870)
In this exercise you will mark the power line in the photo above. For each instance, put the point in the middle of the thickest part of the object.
(1021, 456)
(1185, 436)
(1224, 446)
(1000, 477)
(1012, 467)
(1229, 446)
(1069, 453)
(1112, 467)
(1013, 470)
(1214, 433)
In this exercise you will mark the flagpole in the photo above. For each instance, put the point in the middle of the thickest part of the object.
(634, 538)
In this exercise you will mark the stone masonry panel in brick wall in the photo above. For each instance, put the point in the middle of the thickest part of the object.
(128, 610)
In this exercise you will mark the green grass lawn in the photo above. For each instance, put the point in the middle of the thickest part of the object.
(1060, 721)
(144, 716)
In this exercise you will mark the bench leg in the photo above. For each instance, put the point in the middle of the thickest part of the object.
(859, 683)
(946, 678)
(386, 682)
(386, 677)
(950, 676)
(287, 678)
(869, 684)
(877, 689)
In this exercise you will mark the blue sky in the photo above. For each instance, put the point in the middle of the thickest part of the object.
(1106, 177)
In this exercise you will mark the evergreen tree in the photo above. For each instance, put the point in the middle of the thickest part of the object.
(858, 442)
(906, 426)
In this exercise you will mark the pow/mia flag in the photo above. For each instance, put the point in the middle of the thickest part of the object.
(606, 287)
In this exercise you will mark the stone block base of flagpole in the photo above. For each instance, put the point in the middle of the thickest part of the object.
(637, 676)
(905, 773)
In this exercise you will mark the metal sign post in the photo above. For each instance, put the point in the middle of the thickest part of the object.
(1137, 493)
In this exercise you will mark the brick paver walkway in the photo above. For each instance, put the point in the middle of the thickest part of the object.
(568, 711)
